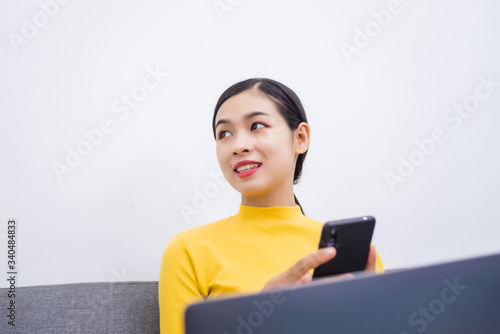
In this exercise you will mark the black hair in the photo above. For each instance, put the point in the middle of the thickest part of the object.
(288, 104)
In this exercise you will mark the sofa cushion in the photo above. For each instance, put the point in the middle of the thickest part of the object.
(111, 307)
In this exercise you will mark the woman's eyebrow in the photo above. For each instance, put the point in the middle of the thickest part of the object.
(247, 117)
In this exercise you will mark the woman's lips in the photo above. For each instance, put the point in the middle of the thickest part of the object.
(246, 167)
(247, 172)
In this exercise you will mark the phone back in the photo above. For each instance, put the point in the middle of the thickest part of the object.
(351, 238)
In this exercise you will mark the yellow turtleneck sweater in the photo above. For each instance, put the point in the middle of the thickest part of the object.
(238, 254)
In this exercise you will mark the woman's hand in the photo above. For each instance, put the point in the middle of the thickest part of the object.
(300, 274)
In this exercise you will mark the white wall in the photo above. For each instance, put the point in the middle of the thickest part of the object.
(111, 217)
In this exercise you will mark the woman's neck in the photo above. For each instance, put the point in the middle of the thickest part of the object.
(270, 200)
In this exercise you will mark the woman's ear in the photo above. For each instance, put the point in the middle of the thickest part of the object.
(301, 136)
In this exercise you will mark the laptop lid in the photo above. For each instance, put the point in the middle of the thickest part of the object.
(455, 297)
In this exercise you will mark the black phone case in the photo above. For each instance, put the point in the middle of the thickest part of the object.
(351, 238)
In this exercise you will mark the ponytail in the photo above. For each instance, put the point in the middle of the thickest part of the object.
(297, 202)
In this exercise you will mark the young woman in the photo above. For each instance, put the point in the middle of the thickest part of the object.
(262, 137)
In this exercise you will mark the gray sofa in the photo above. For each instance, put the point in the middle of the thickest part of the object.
(115, 307)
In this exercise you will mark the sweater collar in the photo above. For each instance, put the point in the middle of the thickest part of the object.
(268, 214)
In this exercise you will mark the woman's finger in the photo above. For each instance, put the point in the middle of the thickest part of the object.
(334, 278)
(304, 265)
(372, 258)
(300, 273)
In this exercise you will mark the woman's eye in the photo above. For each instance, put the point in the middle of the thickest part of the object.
(223, 134)
(257, 126)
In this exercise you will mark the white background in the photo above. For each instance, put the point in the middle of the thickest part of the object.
(111, 217)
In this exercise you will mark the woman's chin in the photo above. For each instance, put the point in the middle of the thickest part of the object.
(255, 192)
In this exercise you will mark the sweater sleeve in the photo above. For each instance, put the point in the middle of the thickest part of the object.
(178, 286)
(379, 266)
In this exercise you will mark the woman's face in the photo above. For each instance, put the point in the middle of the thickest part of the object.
(256, 149)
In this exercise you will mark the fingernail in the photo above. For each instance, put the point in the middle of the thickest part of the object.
(329, 250)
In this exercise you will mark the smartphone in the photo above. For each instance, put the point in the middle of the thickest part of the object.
(351, 238)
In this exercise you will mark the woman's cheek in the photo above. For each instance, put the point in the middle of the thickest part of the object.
(266, 138)
(220, 156)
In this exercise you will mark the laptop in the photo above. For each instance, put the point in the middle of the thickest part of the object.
(455, 297)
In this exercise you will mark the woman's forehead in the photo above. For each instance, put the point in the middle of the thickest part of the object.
(249, 101)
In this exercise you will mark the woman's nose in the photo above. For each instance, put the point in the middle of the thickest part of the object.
(242, 145)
